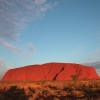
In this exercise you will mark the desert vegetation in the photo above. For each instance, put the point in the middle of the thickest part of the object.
(50, 90)
(74, 77)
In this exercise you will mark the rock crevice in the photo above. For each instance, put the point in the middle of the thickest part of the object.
(58, 74)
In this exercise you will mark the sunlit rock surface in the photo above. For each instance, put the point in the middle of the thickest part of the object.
(50, 71)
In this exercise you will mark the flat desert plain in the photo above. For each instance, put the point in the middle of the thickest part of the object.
(50, 90)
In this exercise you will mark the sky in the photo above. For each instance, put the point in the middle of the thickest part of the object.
(41, 31)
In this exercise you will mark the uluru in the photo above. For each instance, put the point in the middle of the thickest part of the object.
(50, 71)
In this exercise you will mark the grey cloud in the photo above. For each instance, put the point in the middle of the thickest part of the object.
(9, 46)
(94, 64)
(2, 64)
(14, 15)
(3, 68)
(38, 2)
(28, 49)
(31, 48)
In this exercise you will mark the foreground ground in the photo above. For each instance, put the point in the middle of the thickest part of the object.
(50, 90)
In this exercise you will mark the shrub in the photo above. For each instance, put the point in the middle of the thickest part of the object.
(74, 77)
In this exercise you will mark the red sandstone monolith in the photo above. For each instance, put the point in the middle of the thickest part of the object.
(50, 71)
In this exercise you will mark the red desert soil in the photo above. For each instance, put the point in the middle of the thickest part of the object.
(50, 71)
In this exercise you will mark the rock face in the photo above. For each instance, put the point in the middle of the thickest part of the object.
(50, 71)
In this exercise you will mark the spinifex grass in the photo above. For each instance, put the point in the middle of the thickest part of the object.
(50, 90)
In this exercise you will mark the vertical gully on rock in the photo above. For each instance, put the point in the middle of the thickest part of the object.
(58, 74)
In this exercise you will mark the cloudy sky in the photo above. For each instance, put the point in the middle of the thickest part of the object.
(40, 31)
